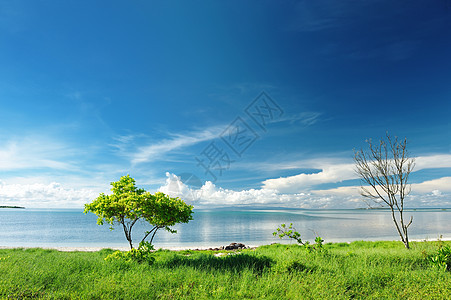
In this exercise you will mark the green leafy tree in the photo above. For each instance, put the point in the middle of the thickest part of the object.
(127, 204)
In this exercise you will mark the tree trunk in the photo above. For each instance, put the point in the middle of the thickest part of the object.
(127, 234)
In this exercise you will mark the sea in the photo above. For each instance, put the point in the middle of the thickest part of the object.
(55, 228)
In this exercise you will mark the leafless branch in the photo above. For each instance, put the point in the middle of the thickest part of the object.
(384, 171)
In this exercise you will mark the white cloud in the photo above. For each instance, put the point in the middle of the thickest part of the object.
(435, 187)
(436, 193)
(337, 172)
(210, 195)
(432, 199)
(301, 182)
(433, 161)
(340, 191)
(44, 195)
(430, 193)
(176, 188)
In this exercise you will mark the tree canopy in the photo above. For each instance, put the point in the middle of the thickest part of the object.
(127, 204)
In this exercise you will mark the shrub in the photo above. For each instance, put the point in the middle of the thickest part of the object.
(442, 257)
(141, 255)
(290, 232)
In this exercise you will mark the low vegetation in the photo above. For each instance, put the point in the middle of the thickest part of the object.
(370, 270)
(290, 232)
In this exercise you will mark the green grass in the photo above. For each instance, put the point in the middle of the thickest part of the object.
(369, 270)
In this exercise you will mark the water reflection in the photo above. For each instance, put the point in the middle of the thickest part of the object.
(66, 228)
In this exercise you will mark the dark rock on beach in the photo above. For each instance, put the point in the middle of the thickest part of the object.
(235, 246)
(216, 249)
(232, 246)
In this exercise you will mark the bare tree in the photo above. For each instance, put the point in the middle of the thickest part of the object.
(385, 170)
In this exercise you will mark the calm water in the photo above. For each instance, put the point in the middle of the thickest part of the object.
(72, 228)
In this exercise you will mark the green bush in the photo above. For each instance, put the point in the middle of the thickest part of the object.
(141, 255)
(290, 232)
(442, 258)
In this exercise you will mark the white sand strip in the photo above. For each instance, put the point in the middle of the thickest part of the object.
(94, 249)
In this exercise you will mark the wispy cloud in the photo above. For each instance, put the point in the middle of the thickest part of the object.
(157, 150)
(34, 152)
(307, 118)
(317, 16)
(392, 51)
(43, 159)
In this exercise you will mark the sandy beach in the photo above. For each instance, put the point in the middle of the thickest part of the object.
(94, 249)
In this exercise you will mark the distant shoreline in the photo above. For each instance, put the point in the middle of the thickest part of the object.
(13, 206)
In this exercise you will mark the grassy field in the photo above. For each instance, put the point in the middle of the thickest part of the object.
(370, 270)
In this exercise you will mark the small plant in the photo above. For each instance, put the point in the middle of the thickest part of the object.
(442, 257)
(141, 255)
(146, 246)
(317, 247)
(290, 232)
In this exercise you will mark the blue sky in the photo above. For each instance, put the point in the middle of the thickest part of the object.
(93, 91)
